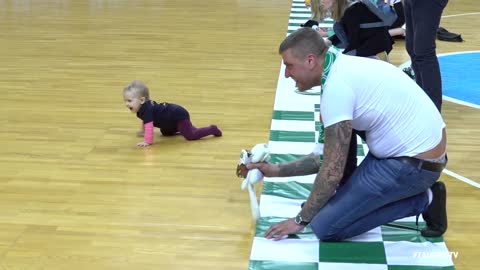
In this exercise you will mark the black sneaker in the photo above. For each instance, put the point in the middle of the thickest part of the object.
(436, 214)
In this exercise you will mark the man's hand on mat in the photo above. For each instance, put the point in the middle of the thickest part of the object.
(267, 169)
(281, 229)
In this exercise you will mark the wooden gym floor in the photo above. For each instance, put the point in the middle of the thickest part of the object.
(75, 191)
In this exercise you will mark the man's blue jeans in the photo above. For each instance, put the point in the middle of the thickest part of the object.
(378, 192)
(422, 18)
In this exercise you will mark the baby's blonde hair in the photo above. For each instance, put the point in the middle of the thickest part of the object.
(138, 88)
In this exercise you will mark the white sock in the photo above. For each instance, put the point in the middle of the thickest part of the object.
(430, 196)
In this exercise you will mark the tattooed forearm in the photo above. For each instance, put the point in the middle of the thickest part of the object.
(337, 144)
(309, 164)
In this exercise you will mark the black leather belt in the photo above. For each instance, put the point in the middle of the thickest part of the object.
(421, 164)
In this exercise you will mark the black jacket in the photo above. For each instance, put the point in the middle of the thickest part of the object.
(362, 42)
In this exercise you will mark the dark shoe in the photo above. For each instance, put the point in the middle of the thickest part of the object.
(436, 214)
(443, 34)
(309, 23)
(409, 72)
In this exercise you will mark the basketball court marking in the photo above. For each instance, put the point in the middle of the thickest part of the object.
(462, 14)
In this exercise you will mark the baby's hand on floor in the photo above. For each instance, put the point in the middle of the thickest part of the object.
(142, 144)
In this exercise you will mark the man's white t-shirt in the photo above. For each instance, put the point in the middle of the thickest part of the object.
(397, 115)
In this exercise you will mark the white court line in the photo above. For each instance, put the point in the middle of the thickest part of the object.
(461, 178)
(453, 53)
(454, 100)
(464, 103)
(462, 14)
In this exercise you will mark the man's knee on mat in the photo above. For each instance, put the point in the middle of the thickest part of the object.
(329, 233)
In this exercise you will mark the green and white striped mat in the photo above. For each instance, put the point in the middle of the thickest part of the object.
(294, 131)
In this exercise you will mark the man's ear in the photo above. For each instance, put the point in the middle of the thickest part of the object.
(312, 60)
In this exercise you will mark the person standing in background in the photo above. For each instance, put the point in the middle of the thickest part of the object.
(422, 19)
